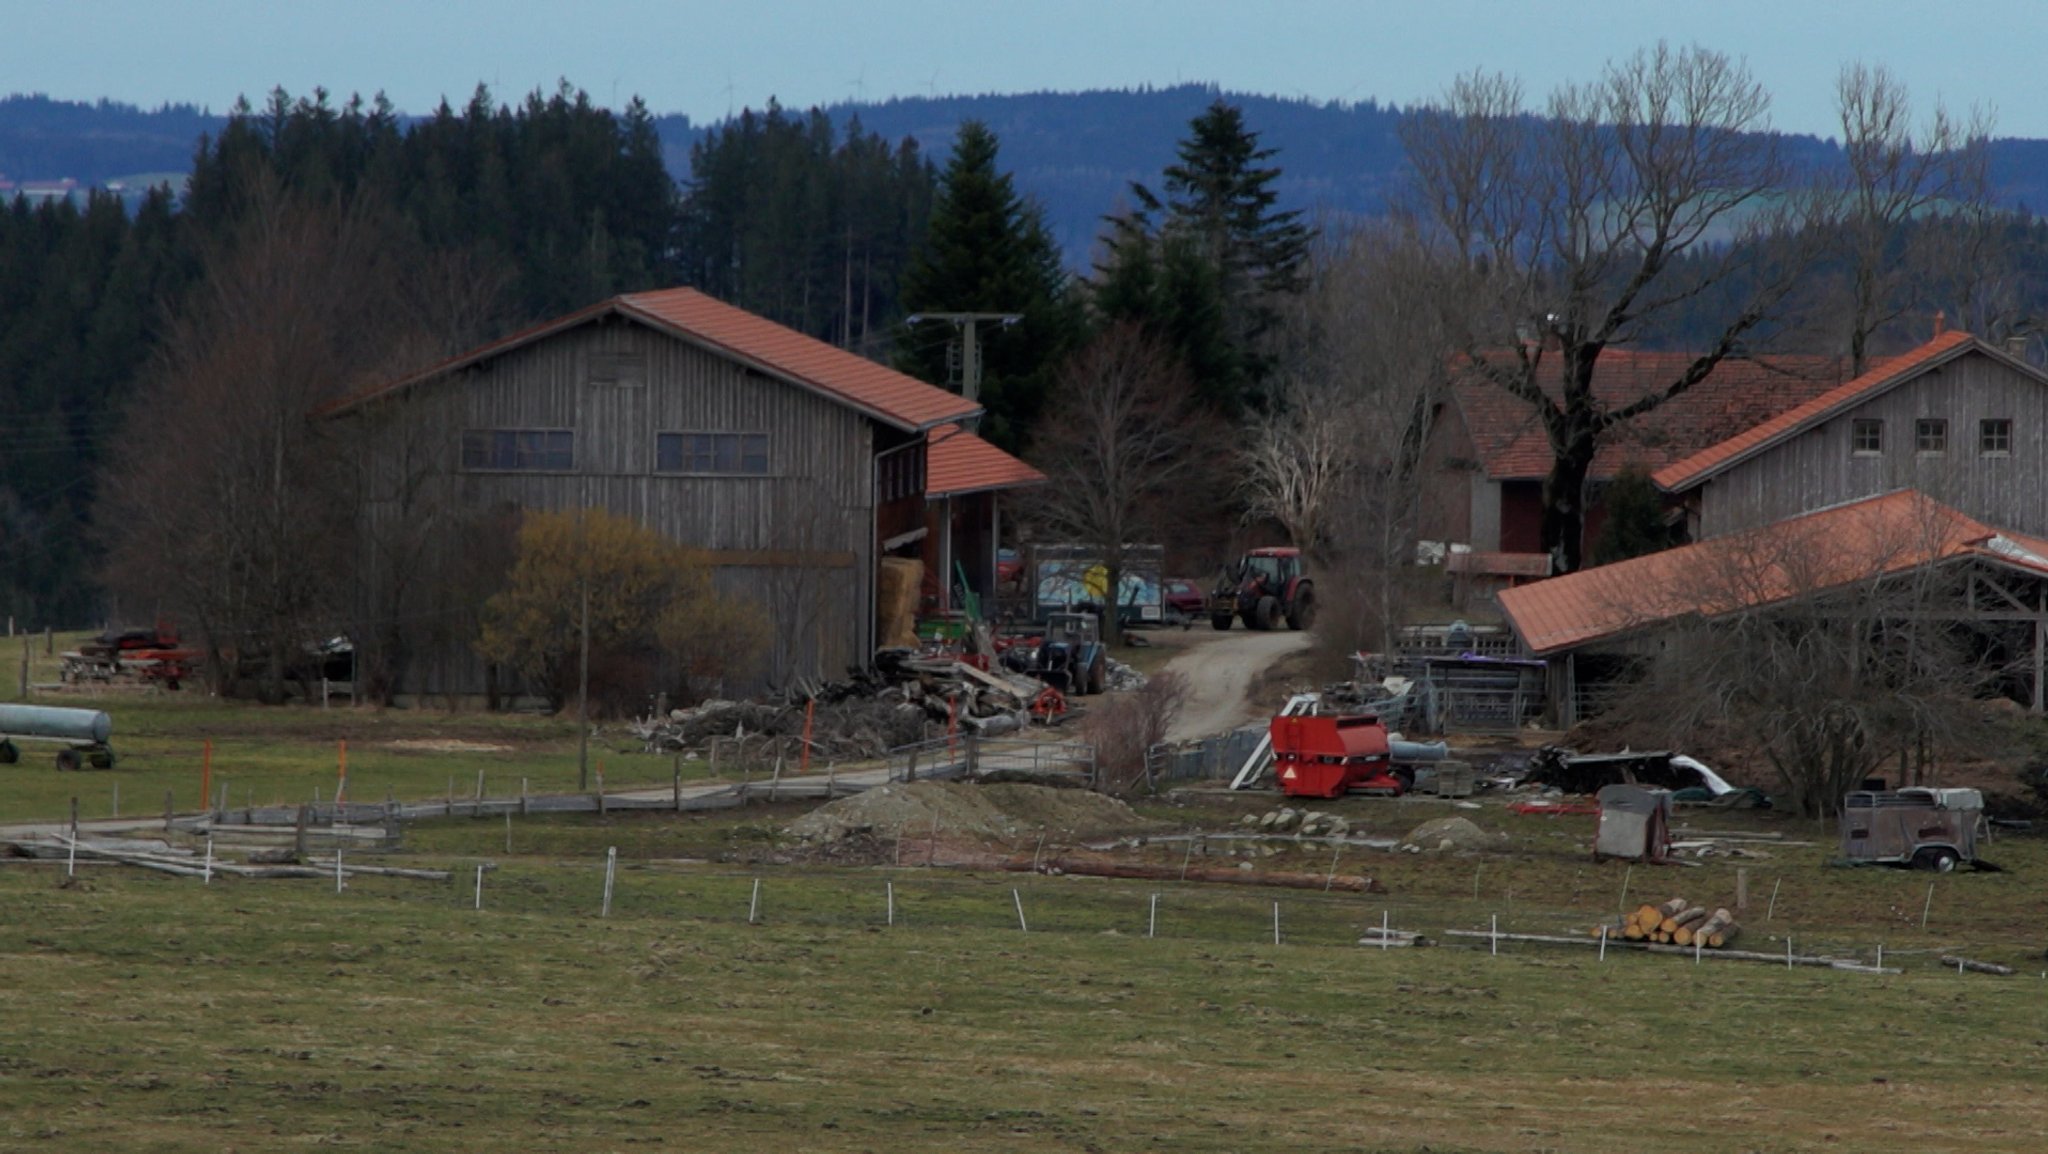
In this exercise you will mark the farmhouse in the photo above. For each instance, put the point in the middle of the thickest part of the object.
(788, 466)
(1956, 419)
(1591, 628)
(1488, 453)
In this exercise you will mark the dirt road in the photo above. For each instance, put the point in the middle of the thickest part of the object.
(1219, 668)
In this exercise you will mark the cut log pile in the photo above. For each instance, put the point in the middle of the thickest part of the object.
(1678, 922)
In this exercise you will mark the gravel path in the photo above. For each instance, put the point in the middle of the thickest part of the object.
(1219, 671)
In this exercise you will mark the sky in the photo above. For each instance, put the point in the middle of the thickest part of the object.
(706, 58)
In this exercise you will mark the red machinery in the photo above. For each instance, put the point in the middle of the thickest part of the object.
(1332, 756)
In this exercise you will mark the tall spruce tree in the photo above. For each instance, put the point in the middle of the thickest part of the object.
(1220, 203)
(988, 250)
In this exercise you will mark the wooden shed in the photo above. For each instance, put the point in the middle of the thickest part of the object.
(784, 462)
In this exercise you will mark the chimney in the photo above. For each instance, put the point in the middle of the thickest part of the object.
(1940, 322)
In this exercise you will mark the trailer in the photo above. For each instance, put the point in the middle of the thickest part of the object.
(81, 734)
(1326, 756)
(1931, 829)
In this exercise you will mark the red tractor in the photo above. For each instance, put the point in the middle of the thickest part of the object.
(1265, 586)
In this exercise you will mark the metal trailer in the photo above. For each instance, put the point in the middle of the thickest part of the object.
(1934, 829)
(1635, 824)
(83, 734)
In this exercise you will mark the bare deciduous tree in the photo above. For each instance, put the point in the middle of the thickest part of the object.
(231, 510)
(1915, 201)
(1336, 461)
(1120, 450)
(1629, 201)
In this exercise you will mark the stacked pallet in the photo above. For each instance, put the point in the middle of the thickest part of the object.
(1678, 922)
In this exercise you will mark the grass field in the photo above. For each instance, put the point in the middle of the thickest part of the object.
(145, 1012)
(153, 1013)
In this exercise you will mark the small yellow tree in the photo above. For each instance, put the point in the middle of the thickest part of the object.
(655, 622)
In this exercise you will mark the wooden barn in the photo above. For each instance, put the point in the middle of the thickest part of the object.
(1956, 419)
(785, 463)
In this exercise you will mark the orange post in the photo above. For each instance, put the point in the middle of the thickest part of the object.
(206, 775)
(341, 788)
(804, 759)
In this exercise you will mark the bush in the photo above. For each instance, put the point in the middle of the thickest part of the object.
(1124, 726)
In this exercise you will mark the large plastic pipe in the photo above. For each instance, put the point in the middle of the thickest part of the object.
(1405, 752)
(50, 721)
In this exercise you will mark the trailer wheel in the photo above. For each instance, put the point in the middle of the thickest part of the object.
(9, 754)
(1941, 861)
(104, 759)
(67, 759)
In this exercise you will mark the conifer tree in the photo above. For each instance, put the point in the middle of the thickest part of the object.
(988, 250)
(1220, 203)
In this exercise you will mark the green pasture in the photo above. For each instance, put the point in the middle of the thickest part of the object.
(154, 1013)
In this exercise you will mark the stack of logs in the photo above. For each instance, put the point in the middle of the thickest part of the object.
(1680, 923)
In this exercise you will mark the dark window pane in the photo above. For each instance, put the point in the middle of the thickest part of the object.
(754, 454)
(728, 460)
(668, 452)
(476, 450)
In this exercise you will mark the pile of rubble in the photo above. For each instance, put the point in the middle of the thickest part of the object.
(905, 699)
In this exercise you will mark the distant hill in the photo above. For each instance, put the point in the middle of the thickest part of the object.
(1074, 152)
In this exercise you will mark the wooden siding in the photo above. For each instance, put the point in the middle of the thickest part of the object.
(1452, 481)
(1816, 469)
(800, 540)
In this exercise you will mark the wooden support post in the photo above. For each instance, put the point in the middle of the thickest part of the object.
(810, 712)
(74, 825)
(676, 786)
(170, 803)
(601, 811)
(477, 809)
(299, 834)
(1741, 888)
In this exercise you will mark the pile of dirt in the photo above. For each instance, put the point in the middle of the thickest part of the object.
(995, 812)
(1449, 834)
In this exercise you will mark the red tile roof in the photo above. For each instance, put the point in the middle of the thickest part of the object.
(1881, 377)
(958, 462)
(1827, 549)
(1738, 394)
(688, 315)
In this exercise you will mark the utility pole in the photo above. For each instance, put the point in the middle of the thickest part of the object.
(970, 348)
(583, 699)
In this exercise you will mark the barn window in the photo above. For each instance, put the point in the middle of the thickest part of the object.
(1930, 435)
(1866, 437)
(519, 450)
(1994, 436)
(727, 454)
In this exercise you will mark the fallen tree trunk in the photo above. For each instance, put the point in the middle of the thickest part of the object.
(1348, 883)
(1679, 951)
(1974, 967)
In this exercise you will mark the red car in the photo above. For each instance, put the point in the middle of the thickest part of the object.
(1184, 597)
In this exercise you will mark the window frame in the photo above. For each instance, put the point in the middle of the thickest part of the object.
(1930, 436)
(720, 452)
(2002, 427)
(1859, 426)
(546, 452)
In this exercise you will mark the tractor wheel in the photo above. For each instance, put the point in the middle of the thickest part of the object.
(1220, 622)
(67, 759)
(1302, 613)
(1266, 614)
(1098, 674)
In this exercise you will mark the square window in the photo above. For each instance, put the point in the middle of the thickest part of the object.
(519, 450)
(1994, 436)
(1930, 435)
(1866, 437)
